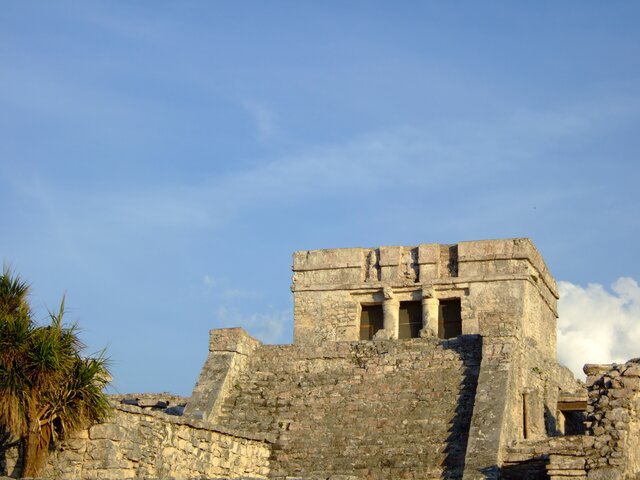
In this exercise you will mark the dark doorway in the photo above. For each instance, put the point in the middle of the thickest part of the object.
(449, 318)
(371, 320)
(572, 416)
(410, 319)
(574, 422)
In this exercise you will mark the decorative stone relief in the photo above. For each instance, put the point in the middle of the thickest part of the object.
(372, 266)
(409, 265)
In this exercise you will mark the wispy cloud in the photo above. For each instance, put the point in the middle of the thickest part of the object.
(264, 118)
(269, 327)
(240, 294)
(597, 325)
(375, 161)
(209, 282)
(394, 163)
(361, 165)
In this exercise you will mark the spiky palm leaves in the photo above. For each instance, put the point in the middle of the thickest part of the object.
(15, 331)
(46, 388)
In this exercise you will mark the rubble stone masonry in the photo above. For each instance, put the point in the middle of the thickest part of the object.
(143, 443)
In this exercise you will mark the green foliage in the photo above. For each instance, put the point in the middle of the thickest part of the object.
(47, 389)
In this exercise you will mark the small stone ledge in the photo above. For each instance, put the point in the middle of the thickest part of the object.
(447, 281)
(560, 457)
(567, 444)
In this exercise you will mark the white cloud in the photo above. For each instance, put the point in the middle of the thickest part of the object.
(597, 325)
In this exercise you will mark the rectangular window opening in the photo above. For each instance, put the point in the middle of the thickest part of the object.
(574, 422)
(572, 417)
(449, 318)
(371, 320)
(410, 319)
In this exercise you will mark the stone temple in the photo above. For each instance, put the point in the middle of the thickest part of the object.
(429, 361)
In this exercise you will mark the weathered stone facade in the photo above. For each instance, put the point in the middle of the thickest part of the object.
(423, 362)
(140, 442)
(369, 409)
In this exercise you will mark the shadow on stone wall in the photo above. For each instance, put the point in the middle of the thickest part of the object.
(470, 347)
(535, 469)
(492, 473)
(551, 423)
(10, 455)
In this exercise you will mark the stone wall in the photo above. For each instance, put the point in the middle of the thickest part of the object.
(138, 443)
(382, 409)
(613, 417)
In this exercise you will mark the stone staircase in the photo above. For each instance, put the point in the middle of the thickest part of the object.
(383, 409)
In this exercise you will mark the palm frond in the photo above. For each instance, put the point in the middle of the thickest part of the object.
(80, 401)
(46, 388)
(13, 293)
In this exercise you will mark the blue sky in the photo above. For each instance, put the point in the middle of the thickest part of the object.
(160, 161)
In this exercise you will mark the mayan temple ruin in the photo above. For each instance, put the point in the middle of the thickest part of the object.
(423, 362)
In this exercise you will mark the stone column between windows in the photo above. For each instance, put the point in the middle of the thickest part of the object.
(430, 306)
(391, 314)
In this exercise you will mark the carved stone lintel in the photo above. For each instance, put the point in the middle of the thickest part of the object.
(388, 293)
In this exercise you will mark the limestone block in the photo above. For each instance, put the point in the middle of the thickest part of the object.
(633, 370)
(327, 267)
(428, 253)
(114, 474)
(108, 431)
(390, 256)
(564, 462)
(327, 259)
(604, 474)
(76, 444)
(232, 340)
